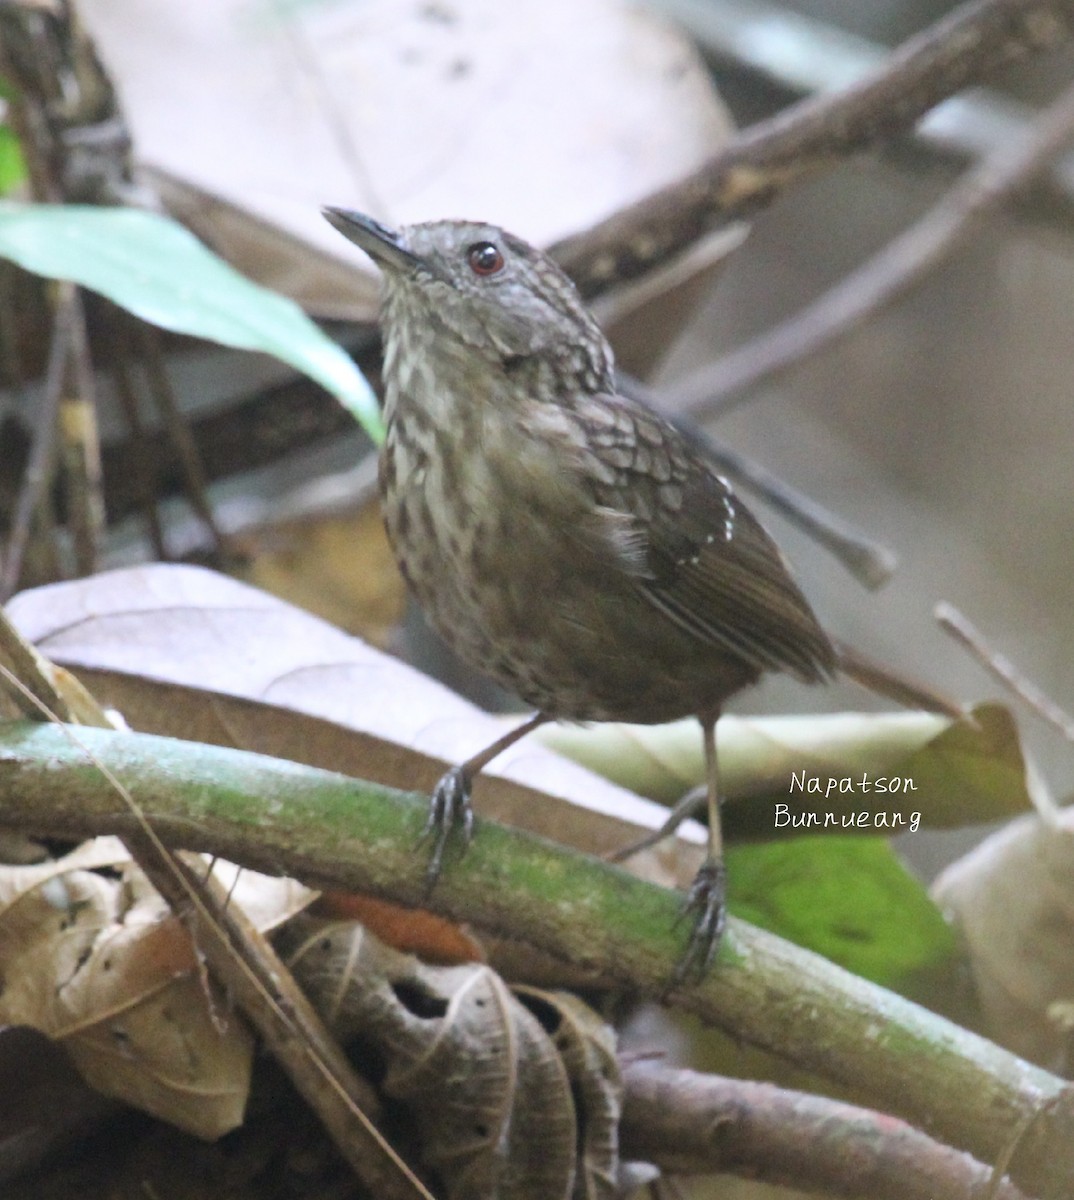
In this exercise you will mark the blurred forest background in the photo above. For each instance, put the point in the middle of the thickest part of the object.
(943, 426)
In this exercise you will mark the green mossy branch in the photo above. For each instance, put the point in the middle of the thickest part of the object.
(330, 830)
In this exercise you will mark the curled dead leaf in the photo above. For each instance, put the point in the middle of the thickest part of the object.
(586, 1045)
(1012, 901)
(502, 1107)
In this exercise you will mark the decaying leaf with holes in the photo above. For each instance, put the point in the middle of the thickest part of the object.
(94, 959)
(497, 1109)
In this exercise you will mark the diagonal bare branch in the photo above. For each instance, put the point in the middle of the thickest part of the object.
(962, 48)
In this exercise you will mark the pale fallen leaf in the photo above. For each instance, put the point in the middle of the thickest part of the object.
(93, 958)
(411, 112)
(951, 774)
(493, 1096)
(1012, 901)
(186, 652)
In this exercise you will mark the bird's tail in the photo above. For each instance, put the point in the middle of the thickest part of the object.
(885, 682)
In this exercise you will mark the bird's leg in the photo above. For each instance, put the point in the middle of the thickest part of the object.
(450, 802)
(705, 901)
(689, 806)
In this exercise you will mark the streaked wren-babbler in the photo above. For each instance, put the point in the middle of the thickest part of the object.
(563, 539)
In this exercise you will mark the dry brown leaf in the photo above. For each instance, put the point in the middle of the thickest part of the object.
(488, 1089)
(92, 957)
(1012, 900)
(337, 566)
(189, 653)
(115, 983)
(432, 938)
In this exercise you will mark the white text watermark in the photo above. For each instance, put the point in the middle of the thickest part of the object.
(813, 785)
(861, 819)
(863, 784)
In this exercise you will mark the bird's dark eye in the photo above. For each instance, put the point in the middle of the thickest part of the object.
(484, 258)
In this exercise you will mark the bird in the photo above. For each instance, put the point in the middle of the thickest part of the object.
(565, 539)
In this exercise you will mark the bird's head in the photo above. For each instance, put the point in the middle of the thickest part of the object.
(488, 289)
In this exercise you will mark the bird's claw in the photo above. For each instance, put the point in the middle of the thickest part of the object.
(705, 903)
(449, 807)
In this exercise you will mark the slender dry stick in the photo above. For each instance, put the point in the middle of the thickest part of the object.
(174, 422)
(141, 465)
(880, 281)
(333, 831)
(39, 469)
(81, 454)
(960, 49)
(20, 661)
(23, 55)
(12, 369)
(41, 93)
(266, 992)
(964, 631)
(691, 1123)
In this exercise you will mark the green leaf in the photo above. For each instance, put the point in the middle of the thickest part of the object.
(156, 269)
(12, 164)
(848, 898)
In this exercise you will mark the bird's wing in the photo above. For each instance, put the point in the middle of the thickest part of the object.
(698, 554)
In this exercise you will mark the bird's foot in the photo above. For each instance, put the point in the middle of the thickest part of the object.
(705, 903)
(449, 807)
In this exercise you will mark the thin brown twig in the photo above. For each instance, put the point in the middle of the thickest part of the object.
(81, 452)
(23, 53)
(186, 449)
(691, 1123)
(36, 690)
(41, 112)
(12, 370)
(1000, 667)
(67, 314)
(141, 461)
(263, 988)
(889, 274)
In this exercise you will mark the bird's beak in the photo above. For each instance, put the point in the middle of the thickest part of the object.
(384, 246)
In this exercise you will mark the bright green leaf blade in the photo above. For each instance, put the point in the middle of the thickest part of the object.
(12, 164)
(848, 898)
(156, 269)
